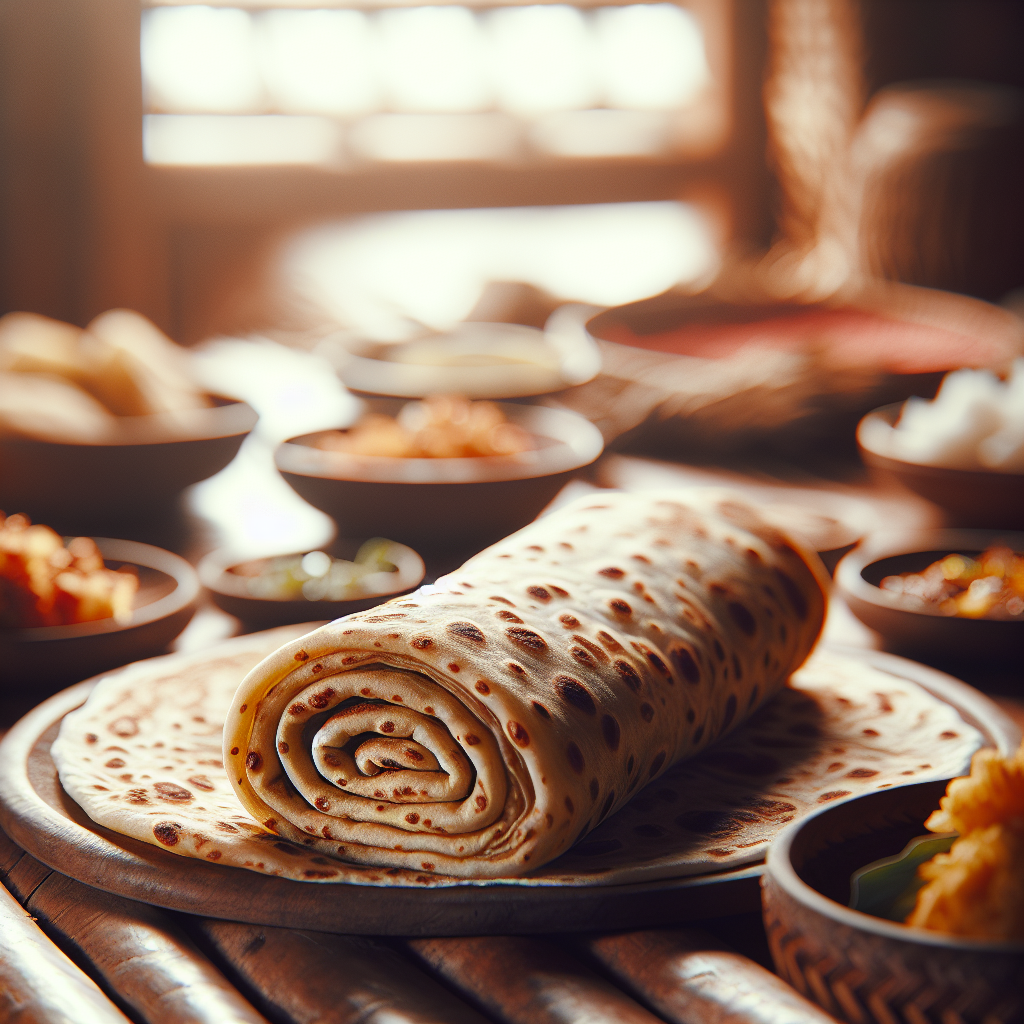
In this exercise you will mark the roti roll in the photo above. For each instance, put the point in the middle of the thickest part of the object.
(481, 726)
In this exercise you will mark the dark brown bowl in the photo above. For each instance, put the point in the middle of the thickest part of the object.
(442, 503)
(864, 969)
(906, 626)
(135, 475)
(970, 497)
(38, 660)
(225, 578)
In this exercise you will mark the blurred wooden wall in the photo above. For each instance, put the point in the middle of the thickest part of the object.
(76, 232)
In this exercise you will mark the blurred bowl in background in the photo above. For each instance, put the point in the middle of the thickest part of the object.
(477, 360)
(700, 376)
(442, 503)
(136, 475)
(228, 581)
(909, 626)
(36, 661)
(865, 969)
(971, 497)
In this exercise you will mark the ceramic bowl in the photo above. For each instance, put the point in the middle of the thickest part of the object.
(136, 475)
(226, 578)
(811, 363)
(865, 969)
(442, 503)
(37, 660)
(475, 359)
(907, 626)
(970, 497)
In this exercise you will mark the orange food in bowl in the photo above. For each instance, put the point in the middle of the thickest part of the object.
(44, 583)
(439, 427)
(990, 586)
(977, 889)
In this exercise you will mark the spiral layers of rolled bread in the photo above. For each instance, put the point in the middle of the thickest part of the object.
(480, 726)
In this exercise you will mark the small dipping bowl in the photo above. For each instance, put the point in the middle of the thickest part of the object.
(971, 497)
(442, 503)
(135, 475)
(37, 660)
(865, 969)
(909, 626)
(227, 580)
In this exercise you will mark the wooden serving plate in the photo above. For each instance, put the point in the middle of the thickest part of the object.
(37, 813)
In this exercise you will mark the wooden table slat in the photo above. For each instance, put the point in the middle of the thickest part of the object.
(522, 980)
(38, 983)
(134, 950)
(687, 975)
(312, 977)
(139, 954)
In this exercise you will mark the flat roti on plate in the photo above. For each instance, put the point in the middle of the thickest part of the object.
(143, 757)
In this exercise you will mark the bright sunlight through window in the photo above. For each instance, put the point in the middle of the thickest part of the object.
(230, 86)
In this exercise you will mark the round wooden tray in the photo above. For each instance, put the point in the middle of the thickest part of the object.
(38, 815)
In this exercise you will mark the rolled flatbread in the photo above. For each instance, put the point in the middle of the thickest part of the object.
(483, 725)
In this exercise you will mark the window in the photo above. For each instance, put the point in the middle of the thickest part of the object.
(166, 192)
(336, 86)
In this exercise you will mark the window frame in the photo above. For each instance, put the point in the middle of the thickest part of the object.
(164, 239)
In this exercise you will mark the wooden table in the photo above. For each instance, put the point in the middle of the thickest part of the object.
(126, 960)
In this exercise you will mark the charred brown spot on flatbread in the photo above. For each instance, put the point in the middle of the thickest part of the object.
(596, 651)
(715, 824)
(467, 631)
(629, 675)
(583, 656)
(743, 617)
(172, 792)
(575, 757)
(658, 664)
(527, 638)
(685, 663)
(609, 641)
(574, 693)
(519, 734)
(167, 832)
(611, 731)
